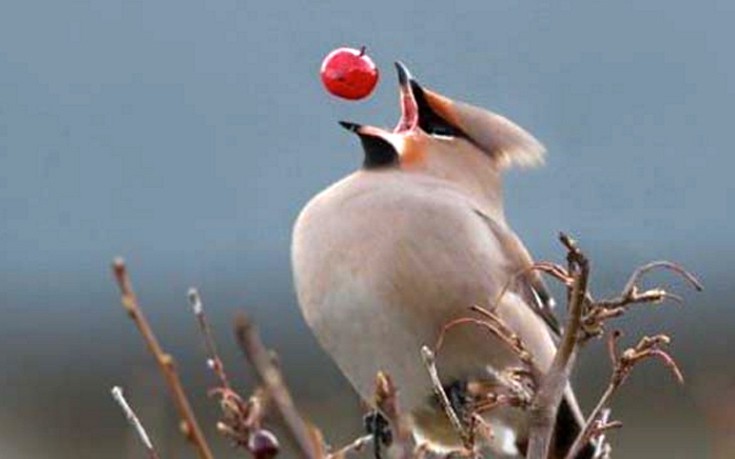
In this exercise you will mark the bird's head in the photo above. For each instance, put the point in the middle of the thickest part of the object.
(453, 140)
(430, 121)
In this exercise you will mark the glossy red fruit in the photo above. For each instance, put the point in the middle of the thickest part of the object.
(262, 444)
(349, 73)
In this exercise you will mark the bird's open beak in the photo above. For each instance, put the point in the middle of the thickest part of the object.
(409, 107)
(409, 120)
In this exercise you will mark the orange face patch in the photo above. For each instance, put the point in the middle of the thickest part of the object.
(413, 153)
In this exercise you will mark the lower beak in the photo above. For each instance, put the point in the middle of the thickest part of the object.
(361, 130)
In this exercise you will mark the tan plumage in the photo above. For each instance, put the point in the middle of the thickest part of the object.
(386, 257)
(501, 139)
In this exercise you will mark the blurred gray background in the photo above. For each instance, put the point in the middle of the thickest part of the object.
(186, 136)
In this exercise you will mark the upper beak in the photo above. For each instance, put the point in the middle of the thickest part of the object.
(409, 107)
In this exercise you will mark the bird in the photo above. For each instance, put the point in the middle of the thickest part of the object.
(384, 258)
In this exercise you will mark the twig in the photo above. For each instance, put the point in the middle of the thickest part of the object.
(166, 363)
(602, 447)
(623, 364)
(270, 376)
(355, 446)
(549, 268)
(507, 390)
(213, 359)
(551, 390)
(638, 273)
(430, 362)
(500, 330)
(241, 420)
(601, 311)
(117, 394)
(511, 338)
(386, 401)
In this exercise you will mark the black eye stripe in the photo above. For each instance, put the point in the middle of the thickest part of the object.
(429, 121)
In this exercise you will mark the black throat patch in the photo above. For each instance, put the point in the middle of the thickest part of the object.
(379, 153)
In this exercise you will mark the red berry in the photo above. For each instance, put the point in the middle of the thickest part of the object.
(349, 73)
(263, 444)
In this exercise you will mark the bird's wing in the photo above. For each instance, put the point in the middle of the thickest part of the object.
(529, 284)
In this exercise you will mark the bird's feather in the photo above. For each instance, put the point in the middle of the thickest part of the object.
(500, 138)
(529, 283)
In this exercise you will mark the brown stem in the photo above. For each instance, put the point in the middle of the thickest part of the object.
(117, 394)
(189, 425)
(430, 362)
(589, 425)
(213, 359)
(638, 273)
(549, 395)
(623, 363)
(386, 401)
(355, 446)
(270, 376)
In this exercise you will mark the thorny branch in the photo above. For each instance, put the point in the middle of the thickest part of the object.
(189, 425)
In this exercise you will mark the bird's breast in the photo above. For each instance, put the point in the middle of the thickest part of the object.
(381, 266)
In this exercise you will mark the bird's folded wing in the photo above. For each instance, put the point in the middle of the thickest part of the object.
(529, 284)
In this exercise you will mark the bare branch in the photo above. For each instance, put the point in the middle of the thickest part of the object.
(386, 400)
(602, 447)
(189, 425)
(601, 311)
(117, 394)
(356, 446)
(623, 364)
(430, 362)
(638, 273)
(551, 390)
(270, 376)
(214, 362)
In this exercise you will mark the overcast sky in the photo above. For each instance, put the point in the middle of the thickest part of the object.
(186, 136)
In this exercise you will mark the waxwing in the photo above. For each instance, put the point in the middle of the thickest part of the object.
(386, 257)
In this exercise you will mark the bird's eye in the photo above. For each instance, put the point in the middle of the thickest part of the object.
(441, 133)
(437, 127)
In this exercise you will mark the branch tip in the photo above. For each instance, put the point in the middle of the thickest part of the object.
(132, 418)
(195, 301)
